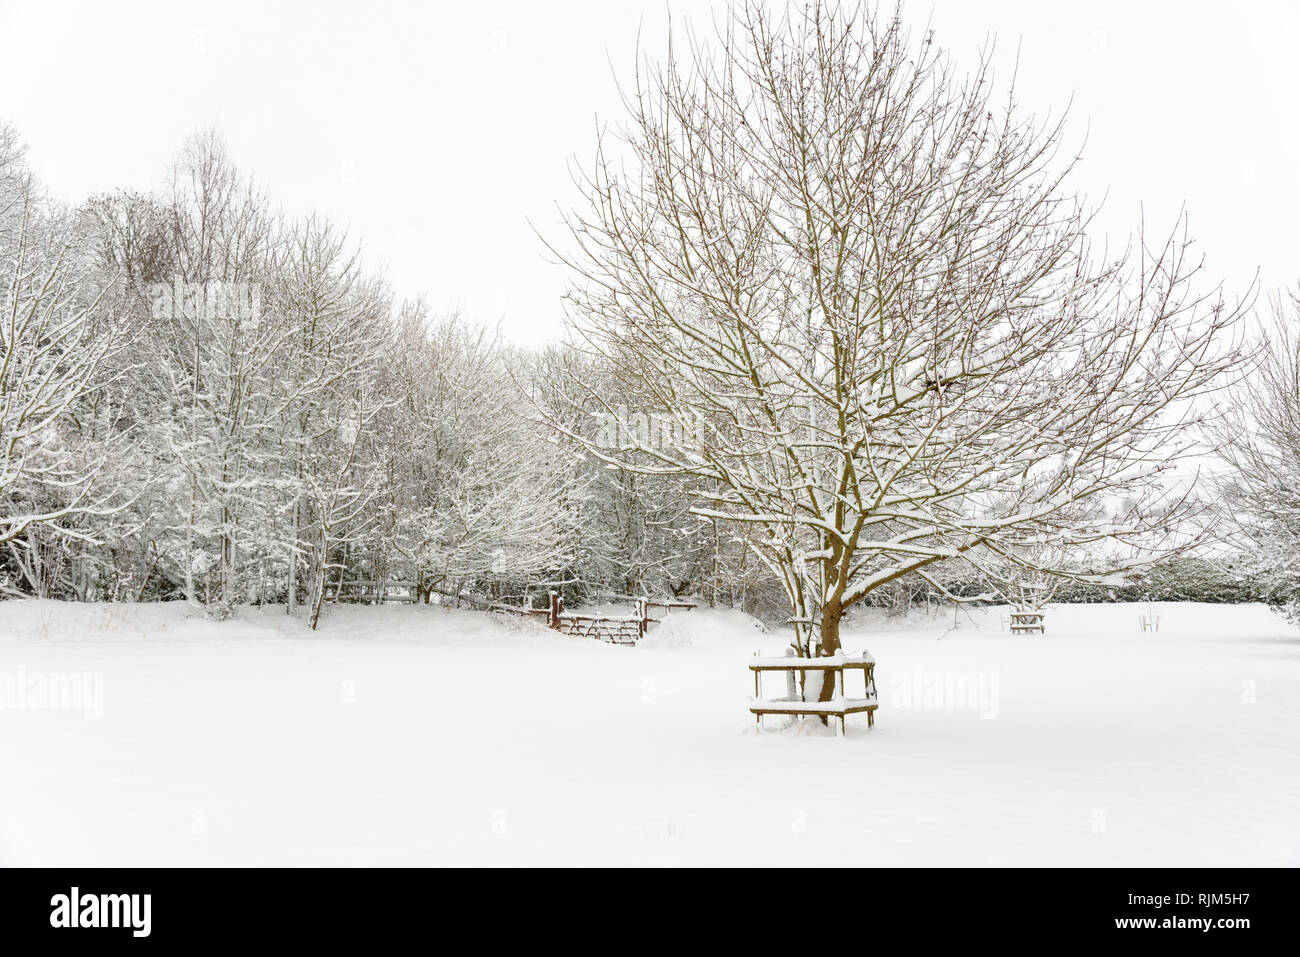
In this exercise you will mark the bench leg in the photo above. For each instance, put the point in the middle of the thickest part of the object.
(871, 719)
(842, 732)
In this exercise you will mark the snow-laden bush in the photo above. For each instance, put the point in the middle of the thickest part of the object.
(218, 611)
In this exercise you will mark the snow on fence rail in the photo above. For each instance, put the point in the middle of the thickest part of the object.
(615, 629)
(485, 604)
(370, 592)
(652, 603)
(376, 593)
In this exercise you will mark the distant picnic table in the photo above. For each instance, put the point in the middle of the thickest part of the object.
(1027, 622)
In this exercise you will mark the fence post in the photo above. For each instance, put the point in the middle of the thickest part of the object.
(557, 606)
(642, 613)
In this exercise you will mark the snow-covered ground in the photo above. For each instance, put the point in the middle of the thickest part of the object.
(406, 735)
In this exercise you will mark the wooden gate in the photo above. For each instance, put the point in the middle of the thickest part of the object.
(615, 629)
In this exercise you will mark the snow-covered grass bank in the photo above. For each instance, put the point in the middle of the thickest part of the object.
(422, 736)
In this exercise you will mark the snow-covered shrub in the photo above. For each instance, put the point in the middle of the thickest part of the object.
(218, 611)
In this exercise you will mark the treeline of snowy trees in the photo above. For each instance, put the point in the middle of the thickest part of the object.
(838, 337)
(201, 398)
(1220, 577)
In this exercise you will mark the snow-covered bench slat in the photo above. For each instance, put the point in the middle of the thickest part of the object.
(830, 663)
(836, 706)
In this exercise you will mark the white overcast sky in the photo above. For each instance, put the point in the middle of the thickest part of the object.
(437, 131)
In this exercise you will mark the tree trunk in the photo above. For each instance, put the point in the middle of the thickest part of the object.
(832, 612)
(320, 568)
(830, 631)
(292, 594)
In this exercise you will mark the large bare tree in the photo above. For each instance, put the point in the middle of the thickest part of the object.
(854, 281)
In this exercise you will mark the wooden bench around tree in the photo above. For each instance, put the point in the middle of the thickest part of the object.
(839, 706)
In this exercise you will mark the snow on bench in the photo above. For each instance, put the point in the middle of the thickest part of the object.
(836, 706)
(833, 666)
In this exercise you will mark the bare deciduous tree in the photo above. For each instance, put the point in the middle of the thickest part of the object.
(55, 352)
(219, 233)
(863, 272)
(333, 332)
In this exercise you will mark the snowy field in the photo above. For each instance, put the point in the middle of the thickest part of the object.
(404, 735)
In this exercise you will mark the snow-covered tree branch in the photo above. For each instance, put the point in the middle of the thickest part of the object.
(57, 343)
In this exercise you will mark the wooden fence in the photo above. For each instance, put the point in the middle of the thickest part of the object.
(370, 592)
(652, 603)
(377, 593)
(615, 629)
